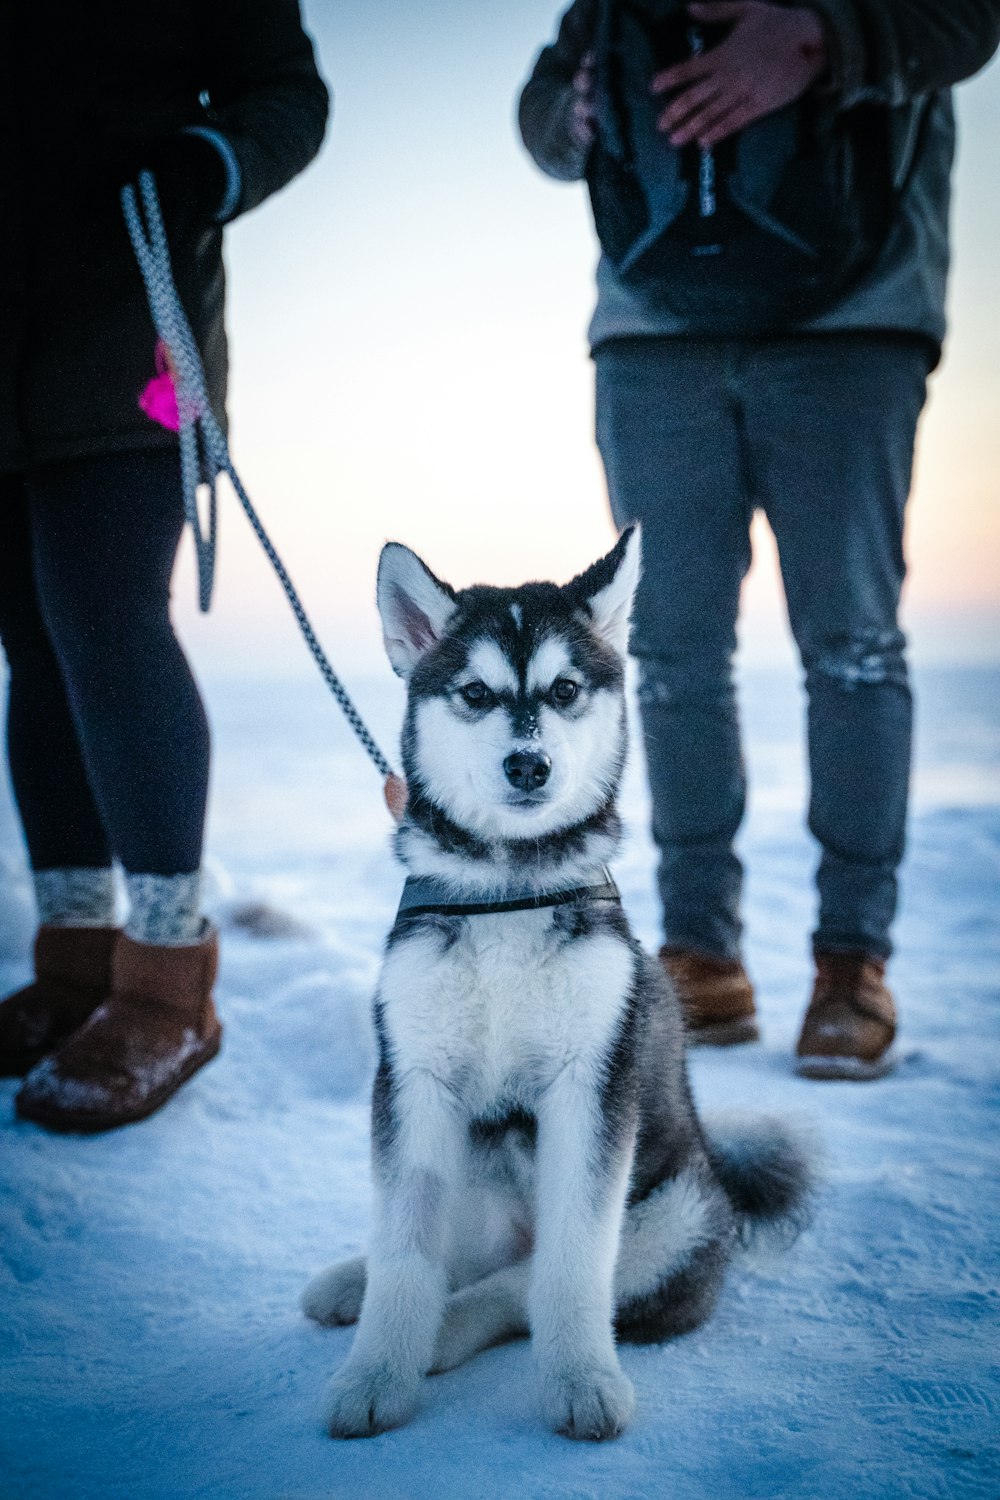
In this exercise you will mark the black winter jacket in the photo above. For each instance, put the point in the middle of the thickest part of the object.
(888, 50)
(893, 49)
(89, 93)
(898, 52)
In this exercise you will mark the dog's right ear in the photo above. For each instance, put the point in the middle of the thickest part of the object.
(414, 605)
(607, 588)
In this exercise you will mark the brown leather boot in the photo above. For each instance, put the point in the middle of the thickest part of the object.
(157, 1027)
(851, 1021)
(72, 977)
(716, 997)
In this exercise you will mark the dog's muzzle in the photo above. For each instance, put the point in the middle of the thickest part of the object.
(527, 770)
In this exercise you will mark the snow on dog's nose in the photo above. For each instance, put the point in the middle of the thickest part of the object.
(527, 770)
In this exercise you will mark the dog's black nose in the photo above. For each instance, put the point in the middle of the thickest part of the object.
(527, 769)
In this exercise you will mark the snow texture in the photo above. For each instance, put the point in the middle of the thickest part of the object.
(151, 1343)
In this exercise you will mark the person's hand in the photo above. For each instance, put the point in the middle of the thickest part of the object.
(582, 122)
(772, 55)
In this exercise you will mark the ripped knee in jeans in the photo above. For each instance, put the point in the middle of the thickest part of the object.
(868, 658)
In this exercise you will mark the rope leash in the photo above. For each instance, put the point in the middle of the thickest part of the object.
(205, 452)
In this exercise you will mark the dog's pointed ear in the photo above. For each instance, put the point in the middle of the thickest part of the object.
(607, 588)
(414, 605)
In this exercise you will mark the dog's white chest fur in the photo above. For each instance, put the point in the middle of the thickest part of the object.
(500, 1012)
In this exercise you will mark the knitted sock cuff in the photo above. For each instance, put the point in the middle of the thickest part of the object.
(75, 897)
(164, 909)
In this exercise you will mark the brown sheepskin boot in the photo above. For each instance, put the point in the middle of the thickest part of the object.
(156, 1028)
(72, 977)
(716, 997)
(850, 1025)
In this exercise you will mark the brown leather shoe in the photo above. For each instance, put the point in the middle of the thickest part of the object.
(716, 997)
(72, 977)
(851, 1021)
(157, 1027)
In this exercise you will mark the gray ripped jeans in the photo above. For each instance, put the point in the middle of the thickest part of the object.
(817, 432)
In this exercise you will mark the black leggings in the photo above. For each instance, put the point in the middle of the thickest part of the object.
(106, 732)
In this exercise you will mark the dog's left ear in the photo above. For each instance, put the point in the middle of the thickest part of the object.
(607, 588)
(414, 605)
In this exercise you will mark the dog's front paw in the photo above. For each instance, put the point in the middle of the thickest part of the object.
(368, 1399)
(334, 1297)
(589, 1404)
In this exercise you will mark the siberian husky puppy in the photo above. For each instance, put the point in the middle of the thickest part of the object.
(539, 1165)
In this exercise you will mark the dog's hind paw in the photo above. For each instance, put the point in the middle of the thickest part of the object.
(464, 1332)
(485, 1313)
(590, 1405)
(367, 1400)
(334, 1297)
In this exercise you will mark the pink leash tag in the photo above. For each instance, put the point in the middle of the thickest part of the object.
(159, 399)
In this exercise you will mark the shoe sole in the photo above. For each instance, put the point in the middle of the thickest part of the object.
(64, 1122)
(854, 1069)
(724, 1033)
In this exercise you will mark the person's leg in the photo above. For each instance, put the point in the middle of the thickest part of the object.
(834, 422)
(104, 536)
(105, 533)
(668, 431)
(67, 844)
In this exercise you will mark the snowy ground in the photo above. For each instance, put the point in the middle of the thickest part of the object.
(150, 1342)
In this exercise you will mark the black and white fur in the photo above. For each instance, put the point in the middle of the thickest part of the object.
(538, 1162)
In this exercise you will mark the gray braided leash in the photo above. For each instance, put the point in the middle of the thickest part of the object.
(204, 450)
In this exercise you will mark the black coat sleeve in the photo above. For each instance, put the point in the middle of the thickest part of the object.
(893, 50)
(267, 97)
(544, 108)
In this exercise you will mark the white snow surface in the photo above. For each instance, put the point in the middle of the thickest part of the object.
(151, 1345)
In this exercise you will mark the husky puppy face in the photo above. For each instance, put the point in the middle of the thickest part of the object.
(515, 719)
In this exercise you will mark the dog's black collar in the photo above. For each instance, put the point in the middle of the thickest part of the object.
(425, 895)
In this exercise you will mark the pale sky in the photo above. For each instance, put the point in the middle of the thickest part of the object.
(407, 336)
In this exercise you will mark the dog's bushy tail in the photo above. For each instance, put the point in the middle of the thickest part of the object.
(769, 1172)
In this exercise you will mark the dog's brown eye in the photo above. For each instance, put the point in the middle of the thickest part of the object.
(564, 690)
(476, 694)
